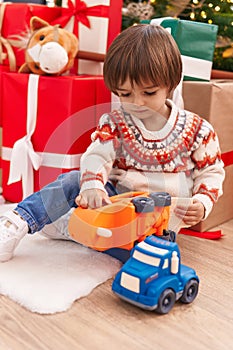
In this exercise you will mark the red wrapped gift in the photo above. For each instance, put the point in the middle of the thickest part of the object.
(46, 128)
(14, 26)
(2, 69)
(96, 24)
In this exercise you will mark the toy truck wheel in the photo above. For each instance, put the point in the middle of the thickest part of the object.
(190, 291)
(166, 301)
(143, 204)
(169, 235)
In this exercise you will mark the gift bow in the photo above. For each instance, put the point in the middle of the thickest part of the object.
(24, 159)
(10, 54)
(80, 12)
(4, 42)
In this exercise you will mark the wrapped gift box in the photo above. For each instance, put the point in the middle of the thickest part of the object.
(14, 24)
(47, 123)
(213, 101)
(96, 24)
(2, 69)
(196, 42)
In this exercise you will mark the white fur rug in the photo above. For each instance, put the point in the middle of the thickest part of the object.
(47, 276)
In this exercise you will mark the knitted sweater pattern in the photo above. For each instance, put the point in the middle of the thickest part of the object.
(172, 153)
(187, 146)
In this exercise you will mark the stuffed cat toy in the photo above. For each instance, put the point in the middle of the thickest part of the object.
(51, 50)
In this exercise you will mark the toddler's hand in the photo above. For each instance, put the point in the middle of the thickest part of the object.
(93, 198)
(117, 174)
(191, 215)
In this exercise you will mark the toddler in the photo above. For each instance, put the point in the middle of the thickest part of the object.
(147, 144)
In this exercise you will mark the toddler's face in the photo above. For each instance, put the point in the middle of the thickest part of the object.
(142, 100)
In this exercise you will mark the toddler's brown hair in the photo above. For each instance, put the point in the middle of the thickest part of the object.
(143, 53)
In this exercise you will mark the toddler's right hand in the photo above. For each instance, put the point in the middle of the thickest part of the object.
(93, 198)
(117, 174)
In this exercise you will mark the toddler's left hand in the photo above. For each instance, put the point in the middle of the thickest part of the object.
(193, 215)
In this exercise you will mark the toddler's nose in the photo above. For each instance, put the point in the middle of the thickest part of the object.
(138, 100)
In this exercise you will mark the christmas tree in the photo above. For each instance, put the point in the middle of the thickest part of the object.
(220, 13)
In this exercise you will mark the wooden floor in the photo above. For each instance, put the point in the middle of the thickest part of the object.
(102, 321)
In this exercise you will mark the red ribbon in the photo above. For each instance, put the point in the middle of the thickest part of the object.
(80, 12)
(227, 158)
(207, 234)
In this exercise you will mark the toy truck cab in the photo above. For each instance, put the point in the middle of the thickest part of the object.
(153, 278)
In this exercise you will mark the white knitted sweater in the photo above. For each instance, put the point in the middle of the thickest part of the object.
(183, 158)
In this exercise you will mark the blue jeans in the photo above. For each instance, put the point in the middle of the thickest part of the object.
(53, 201)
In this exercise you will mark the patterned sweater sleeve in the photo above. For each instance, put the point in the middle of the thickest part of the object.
(208, 175)
(96, 162)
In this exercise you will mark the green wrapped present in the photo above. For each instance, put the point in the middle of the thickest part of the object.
(196, 42)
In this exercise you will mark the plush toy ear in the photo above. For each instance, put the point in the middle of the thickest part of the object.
(24, 69)
(37, 23)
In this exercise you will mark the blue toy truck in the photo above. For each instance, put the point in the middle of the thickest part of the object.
(153, 278)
